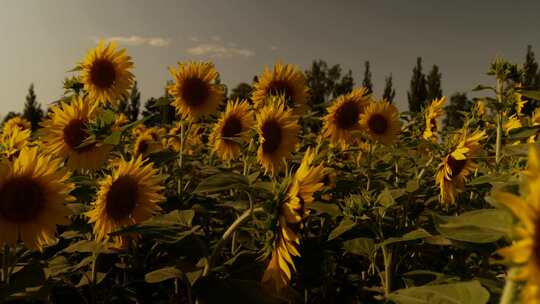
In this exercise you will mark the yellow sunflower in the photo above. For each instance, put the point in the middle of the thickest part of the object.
(14, 141)
(524, 252)
(292, 214)
(535, 121)
(511, 123)
(16, 122)
(278, 134)
(33, 194)
(129, 195)
(120, 121)
(480, 107)
(381, 121)
(343, 117)
(146, 143)
(193, 140)
(286, 81)
(432, 114)
(231, 129)
(195, 92)
(453, 170)
(106, 73)
(65, 134)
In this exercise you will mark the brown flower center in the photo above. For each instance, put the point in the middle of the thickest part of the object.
(122, 198)
(271, 132)
(195, 91)
(21, 199)
(75, 133)
(103, 73)
(282, 88)
(232, 127)
(347, 115)
(456, 165)
(142, 147)
(433, 124)
(377, 123)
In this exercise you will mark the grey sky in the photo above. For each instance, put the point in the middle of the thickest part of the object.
(41, 40)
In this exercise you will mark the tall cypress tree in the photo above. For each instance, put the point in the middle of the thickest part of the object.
(458, 103)
(366, 83)
(417, 93)
(389, 92)
(134, 105)
(32, 109)
(434, 90)
(530, 79)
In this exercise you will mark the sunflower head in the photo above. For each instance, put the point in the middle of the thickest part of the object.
(129, 195)
(513, 122)
(195, 90)
(14, 141)
(120, 121)
(16, 122)
(33, 192)
(285, 81)
(306, 181)
(146, 143)
(106, 73)
(278, 134)
(66, 134)
(432, 114)
(343, 117)
(381, 121)
(232, 129)
(193, 138)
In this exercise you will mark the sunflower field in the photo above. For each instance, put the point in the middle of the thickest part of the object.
(268, 199)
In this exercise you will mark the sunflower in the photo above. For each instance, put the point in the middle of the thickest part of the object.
(120, 121)
(511, 123)
(524, 252)
(520, 103)
(381, 121)
(286, 81)
(33, 194)
(292, 214)
(106, 73)
(193, 140)
(195, 90)
(66, 135)
(432, 114)
(129, 195)
(233, 126)
(16, 122)
(343, 117)
(146, 143)
(278, 134)
(15, 141)
(535, 121)
(456, 166)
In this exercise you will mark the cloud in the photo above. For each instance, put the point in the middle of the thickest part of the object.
(219, 50)
(273, 48)
(135, 40)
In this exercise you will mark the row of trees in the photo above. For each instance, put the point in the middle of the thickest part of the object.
(326, 82)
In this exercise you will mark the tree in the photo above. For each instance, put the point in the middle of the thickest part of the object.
(134, 105)
(433, 85)
(241, 91)
(163, 112)
(326, 83)
(530, 79)
(389, 93)
(32, 109)
(417, 93)
(366, 83)
(458, 103)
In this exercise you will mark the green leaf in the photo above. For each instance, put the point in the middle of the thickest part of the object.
(409, 236)
(163, 274)
(489, 179)
(481, 87)
(114, 138)
(107, 117)
(412, 185)
(456, 293)
(222, 182)
(330, 209)
(523, 132)
(162, 102)
(530, 94)
(345, 225)
(478, 226)
(360, 246)
(385, 198)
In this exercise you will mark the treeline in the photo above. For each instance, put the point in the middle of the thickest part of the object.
(326, 82)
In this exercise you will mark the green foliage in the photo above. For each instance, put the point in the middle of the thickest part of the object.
(32, 109)
(433, 84)
(366, 83)
(417, 94)
(389, 92)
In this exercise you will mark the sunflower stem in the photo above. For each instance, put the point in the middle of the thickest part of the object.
(387, 257)
(5, 264)
(509, 287)
(226, 236)
(499, 92)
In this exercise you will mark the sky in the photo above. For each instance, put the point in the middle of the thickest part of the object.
(41, 40)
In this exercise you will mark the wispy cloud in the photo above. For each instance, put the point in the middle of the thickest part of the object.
(273, 48)
(218, 50)
(135, 40)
